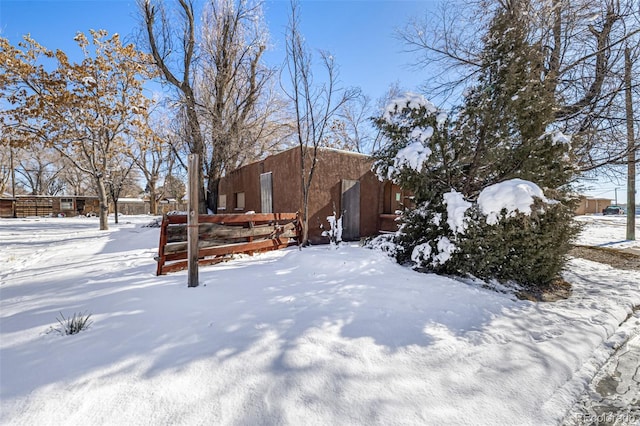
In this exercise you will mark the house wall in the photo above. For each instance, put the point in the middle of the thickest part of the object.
(39, 205)
(326, 190)
(6, 207)
(34, 205)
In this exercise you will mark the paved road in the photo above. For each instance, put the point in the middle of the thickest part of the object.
(613, 397)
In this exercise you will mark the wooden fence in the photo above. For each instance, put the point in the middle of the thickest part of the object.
(36, 206)
(222, 235)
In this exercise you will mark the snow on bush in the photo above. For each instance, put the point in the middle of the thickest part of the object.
(412, 156)
(456, 209)
(422, 134)
(412, 101)
(560, 138)
(445, 249)
(384, 243)
(421, 252)
(407, 115)
(515, 195)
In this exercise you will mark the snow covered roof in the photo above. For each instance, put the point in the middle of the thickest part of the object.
(130, 200)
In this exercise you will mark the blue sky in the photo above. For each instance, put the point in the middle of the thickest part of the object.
(359, 33)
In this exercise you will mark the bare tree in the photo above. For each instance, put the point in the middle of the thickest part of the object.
(352, 129)
(120, 180)
(82, 110)
(175, 57)
(314, 104)
(40, 171)
(75, 181)
(153, 155)
(225, 90)
(234, 88)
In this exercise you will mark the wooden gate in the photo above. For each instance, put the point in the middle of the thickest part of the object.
(266, 192)
(222, 235)
(350, 210)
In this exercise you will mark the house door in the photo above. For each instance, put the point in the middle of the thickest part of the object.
(80, 206)
(350, 210)
(266, 192)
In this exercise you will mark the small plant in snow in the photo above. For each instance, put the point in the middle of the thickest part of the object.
(335, 231)
(72, 325)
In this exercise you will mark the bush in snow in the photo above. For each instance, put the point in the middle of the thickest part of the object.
(512, 232)
(508, 235)
(529, 248)
(73, 324)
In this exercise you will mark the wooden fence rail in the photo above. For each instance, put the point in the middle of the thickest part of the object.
(221, 235)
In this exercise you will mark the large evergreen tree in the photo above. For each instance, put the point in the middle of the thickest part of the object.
(508, 114)
(503, 132)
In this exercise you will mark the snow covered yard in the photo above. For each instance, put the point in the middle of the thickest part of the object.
(316, 336)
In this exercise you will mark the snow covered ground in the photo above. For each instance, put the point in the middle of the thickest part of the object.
(318, 336)
(607, 231)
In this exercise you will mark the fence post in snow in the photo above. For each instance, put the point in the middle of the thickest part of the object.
(192, 221)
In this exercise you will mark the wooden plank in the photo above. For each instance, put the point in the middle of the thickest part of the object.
(182, 265)
(161, 246)
(246, 247)
(177, 233)
(236, 218)
(172, 248)
(231, 249)
(217, 256)
(350, 209)
(181, 246)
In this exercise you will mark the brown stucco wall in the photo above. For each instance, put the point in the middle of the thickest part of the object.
(326, 190)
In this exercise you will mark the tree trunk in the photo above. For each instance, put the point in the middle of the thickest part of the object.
(305, 216)
(153, 204)
(103, 212)
(212, 194)
(115, 209)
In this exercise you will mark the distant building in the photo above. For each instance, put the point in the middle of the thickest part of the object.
(592, 205)
(47, 205)
(131, 206)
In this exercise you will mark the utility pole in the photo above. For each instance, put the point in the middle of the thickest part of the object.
(631, 147)
(192, 221)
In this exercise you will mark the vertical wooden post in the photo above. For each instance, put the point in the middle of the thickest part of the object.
(192, 221)
(13, 182)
